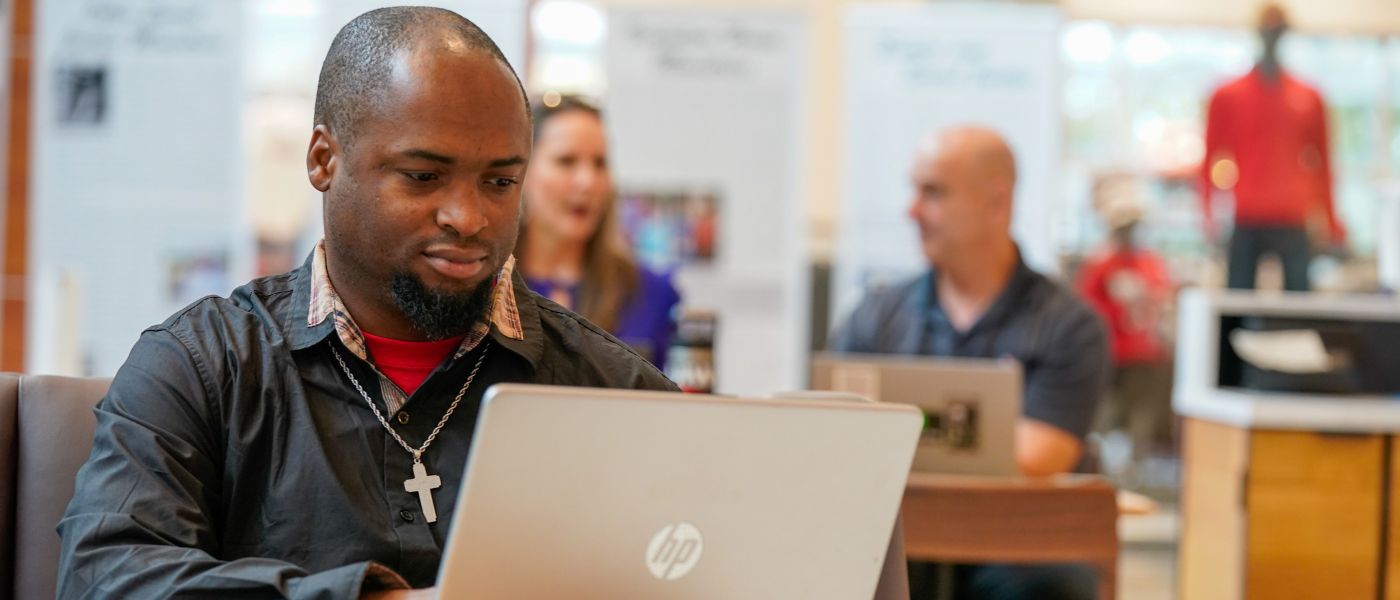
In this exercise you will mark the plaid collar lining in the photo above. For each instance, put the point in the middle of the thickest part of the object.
(326, 304)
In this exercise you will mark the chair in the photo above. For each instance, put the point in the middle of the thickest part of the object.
(46, 427)
(965, 519)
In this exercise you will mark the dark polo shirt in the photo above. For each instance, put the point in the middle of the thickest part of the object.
(1060, 343)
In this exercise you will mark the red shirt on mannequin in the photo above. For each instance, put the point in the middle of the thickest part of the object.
(1130, 288)
(1276, 133)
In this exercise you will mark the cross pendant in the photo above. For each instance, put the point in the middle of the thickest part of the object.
(423, 484)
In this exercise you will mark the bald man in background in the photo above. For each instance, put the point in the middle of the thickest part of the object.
(980, 300)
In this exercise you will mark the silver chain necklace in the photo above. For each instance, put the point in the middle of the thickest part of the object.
(421, 483)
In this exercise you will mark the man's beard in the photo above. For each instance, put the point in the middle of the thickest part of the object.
(439, 316)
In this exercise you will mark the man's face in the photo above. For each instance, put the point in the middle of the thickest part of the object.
(949, 205)
(427, 196)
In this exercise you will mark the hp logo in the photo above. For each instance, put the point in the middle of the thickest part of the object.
(674, 551)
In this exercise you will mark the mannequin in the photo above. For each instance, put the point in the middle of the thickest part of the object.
(1266, 141)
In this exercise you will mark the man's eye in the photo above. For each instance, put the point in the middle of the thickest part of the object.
(503, 182)
(421, 177)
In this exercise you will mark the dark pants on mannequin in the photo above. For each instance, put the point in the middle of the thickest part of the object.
(1250, 243)
(928, 581)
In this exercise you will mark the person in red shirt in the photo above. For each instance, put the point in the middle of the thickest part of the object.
(1266, 140)
(1131, 289)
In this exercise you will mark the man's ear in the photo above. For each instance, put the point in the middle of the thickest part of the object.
(1006, 196)
(322, 158)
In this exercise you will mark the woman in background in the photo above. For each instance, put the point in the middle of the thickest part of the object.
(570, 249)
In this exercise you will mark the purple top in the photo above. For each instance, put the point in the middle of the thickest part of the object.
(647, 322)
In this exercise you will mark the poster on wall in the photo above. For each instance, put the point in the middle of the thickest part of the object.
(912, 70)
(705, 112)
(81, 96)
(143, 99)
(669, 229)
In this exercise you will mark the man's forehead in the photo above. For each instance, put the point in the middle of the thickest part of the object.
(473, 90)
(431, 49)
(930, 162)
(452, 138)
(435, 69)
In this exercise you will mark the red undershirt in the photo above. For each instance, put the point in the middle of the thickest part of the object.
(407, 364)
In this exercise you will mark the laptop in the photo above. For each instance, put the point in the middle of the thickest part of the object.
(971, 406)
(598, 493)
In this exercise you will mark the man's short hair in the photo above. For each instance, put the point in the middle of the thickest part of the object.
(355, 74)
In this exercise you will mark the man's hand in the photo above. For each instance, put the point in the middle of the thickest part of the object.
(1043, 450)
(422, 594)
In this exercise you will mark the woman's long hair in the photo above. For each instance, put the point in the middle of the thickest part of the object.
(610, 276)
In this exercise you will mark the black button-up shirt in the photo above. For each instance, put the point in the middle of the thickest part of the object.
(1061, 344)
(233, 459)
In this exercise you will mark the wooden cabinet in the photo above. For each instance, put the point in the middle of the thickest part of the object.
(1211, 548)
(1284, 514)
(1392, 537)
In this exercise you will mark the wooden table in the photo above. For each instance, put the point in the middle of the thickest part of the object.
(967, 519)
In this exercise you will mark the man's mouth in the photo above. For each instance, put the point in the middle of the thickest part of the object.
(456, 263)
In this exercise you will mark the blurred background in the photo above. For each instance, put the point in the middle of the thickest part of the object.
(156, 146)
(155, 149)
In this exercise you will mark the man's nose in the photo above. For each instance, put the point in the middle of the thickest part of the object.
(462, 212)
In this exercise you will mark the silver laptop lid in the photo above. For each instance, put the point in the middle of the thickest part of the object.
(971, 406)
(591, 493)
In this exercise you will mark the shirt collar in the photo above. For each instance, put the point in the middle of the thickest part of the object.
(1021, 277)
(530, 343)
(1261, 81)
(325, 312)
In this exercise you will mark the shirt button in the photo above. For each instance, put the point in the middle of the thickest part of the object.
(402, 418)
(406, 515)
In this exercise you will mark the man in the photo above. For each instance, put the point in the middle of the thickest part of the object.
(981, 300)
(259, 445)
(1266, 140)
